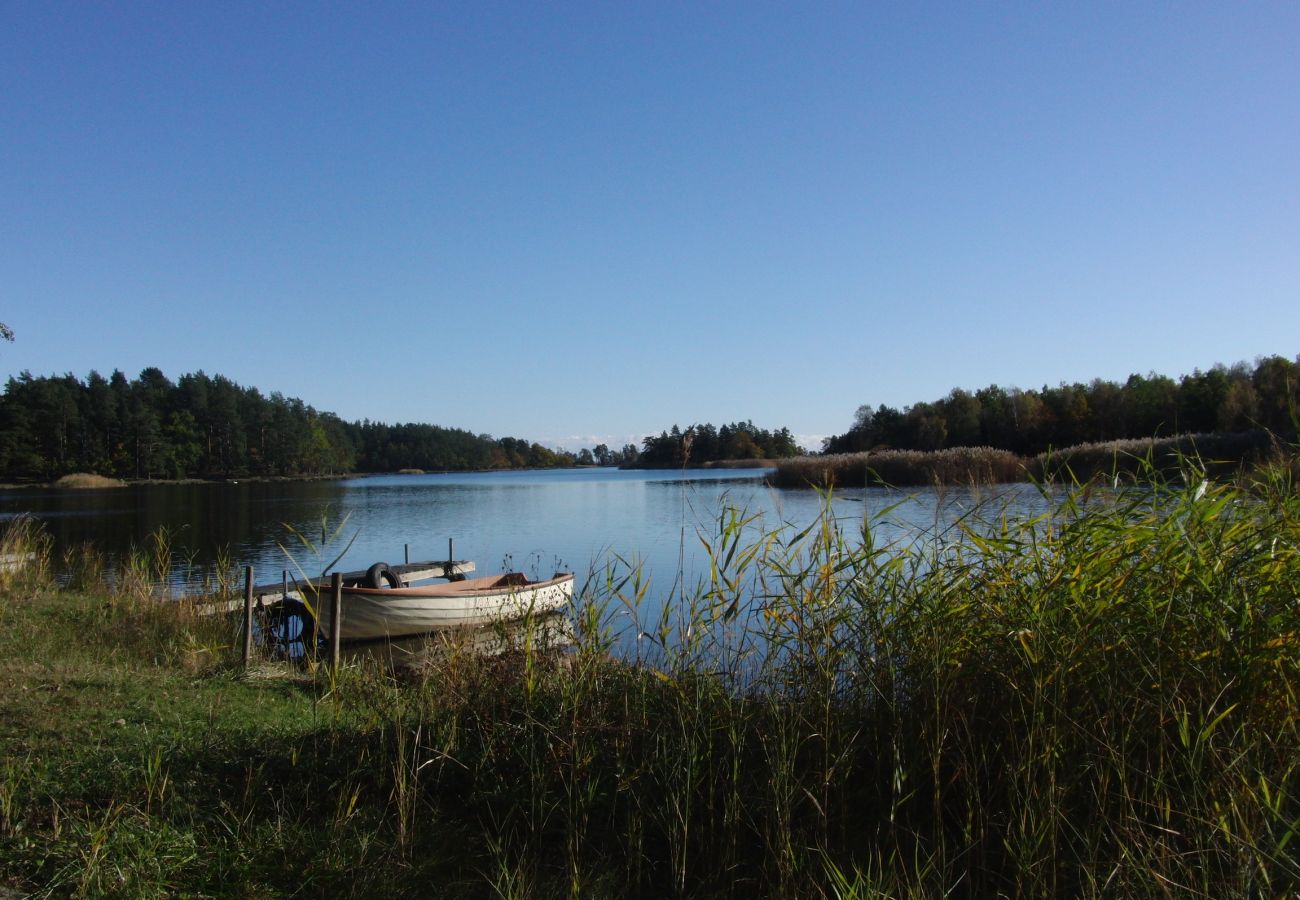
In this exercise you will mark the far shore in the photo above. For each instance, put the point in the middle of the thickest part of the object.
(711, 464)
(88, 481)
(1217, 454)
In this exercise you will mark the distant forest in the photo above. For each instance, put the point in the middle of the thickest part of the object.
(207, 426)
(706, 443)
(204, 426)
(1222, 399)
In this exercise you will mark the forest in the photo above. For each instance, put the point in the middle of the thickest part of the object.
(707, 443)
(207, 426)
(1222, 399)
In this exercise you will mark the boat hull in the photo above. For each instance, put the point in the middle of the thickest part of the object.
(370, 613)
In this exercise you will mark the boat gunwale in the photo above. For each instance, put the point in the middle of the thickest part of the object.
(470, 587)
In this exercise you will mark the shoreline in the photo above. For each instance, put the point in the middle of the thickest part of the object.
(708, 464)
(147, 482)
(267, 479)
(1220, 454)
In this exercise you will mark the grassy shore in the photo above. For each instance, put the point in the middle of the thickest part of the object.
(1102, 702)
(1217, 454)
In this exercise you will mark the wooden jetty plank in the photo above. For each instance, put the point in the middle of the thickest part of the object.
(12, 562)
(406, 573)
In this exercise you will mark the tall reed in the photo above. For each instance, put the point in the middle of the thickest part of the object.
(1097, 701)
(24, 553)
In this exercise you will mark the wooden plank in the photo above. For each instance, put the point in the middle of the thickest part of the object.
(416, 571)
(12, 562)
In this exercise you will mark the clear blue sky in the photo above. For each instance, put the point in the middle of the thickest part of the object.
(587, 222)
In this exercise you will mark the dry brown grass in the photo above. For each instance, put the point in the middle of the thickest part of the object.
(1220, 455)
(959, 465)
(1217, 454)
(738, 464)
(85, 480)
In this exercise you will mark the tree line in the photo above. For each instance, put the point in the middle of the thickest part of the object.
(1222, 399)
(709, 443)
(204, 426)
(207, 426)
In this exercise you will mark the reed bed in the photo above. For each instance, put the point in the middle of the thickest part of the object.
(902, 468)
(1221, 455)
(86, 480)
(1098, 702)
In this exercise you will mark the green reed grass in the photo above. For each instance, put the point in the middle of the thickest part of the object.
(311, 550)
(1102, 701)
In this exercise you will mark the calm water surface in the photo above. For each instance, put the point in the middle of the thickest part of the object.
(535, 522)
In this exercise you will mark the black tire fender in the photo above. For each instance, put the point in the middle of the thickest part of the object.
(379, 573)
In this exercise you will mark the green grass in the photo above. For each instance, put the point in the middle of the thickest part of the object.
(1102, 702)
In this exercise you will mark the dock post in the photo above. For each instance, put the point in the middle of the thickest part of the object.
(336, 617)
(248, 615)
(284, 597)
(406, 548)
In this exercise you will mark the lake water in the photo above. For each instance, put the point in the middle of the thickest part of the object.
(537, 522)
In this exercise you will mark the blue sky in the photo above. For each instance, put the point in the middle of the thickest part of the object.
(587, 222)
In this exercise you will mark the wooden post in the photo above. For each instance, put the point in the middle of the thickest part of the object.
(248, 614)
(284, 620)
(449, 570)
(336, 617)
(407, 551)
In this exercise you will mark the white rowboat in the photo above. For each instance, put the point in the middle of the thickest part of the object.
(377, 612)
